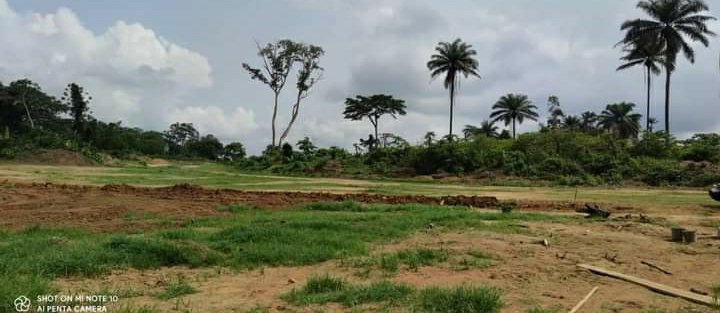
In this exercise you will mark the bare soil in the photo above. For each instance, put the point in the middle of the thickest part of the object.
(106, 208)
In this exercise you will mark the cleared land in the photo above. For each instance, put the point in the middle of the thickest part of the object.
(219, 176)
(188, 249)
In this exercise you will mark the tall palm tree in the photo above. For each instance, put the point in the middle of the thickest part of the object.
(588, 121)
(649, 55)
(671, 21)
(512, 108)
(486, 128)
(453, 59)
(620, 120)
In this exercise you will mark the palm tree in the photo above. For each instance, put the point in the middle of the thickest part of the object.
(572, 123)
(671, 21)
(486, 128)
(453, 59)
(649, 55)
(588, 121)
(619, 119)
(514, 107)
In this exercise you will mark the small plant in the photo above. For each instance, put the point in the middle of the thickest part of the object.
(462, 299)
(176, 289)
(507, 207)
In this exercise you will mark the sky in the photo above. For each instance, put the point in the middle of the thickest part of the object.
(152, 63)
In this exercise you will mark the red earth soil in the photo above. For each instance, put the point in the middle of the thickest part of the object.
(108, 208)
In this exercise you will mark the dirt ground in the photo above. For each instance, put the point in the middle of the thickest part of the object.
(528, 273)
(106, 208)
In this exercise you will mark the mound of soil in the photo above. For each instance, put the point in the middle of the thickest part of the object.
(54, 157)
(105, 208)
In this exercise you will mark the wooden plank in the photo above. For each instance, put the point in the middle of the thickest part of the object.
(660, 288)
(582, 302)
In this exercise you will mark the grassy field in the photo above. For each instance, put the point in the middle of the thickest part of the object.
(220, 176)
(250, 238)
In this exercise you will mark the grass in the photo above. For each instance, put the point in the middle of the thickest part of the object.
(245, 239)
(325, 289)
(176, 289)
(411, 259)
(461, 299)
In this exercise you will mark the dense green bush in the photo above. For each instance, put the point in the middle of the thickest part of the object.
(553, 155)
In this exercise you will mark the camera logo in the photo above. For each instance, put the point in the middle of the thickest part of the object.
(22, 304)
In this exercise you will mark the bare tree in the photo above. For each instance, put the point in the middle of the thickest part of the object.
(309, 74)
(278, 59)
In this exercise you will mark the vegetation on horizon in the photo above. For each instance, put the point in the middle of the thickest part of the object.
(609, 147)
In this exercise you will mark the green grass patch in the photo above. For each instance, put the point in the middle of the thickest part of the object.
(462, 299)
(245, 239)
(325, 289)
(176, 289)
(411, 259)
(13, 285)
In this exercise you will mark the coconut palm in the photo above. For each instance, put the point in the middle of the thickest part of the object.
(619, 119)
(453, 59)
(571, 122)
(671, 22)
(512, 108)
(588, 121)
(649, 55)
(486, 128)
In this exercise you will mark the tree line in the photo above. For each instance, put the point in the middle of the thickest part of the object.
(32, 119)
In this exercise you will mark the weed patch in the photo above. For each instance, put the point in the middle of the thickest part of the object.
(462, 299)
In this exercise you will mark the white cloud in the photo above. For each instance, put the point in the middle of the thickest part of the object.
(214, 120)
(133, 74)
